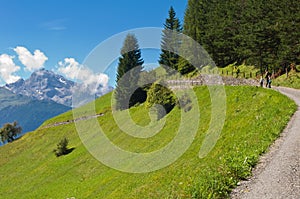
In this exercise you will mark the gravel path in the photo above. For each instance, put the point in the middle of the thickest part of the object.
(278, 173)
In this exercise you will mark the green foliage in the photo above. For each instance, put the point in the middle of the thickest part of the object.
(292, 80)
(210, 70)
(240, 71)
(261, 33)
(128, 73)
(252, 123)
(185, 67)
(161, 99)
(9, 132)
(170, 43)
(62, 147)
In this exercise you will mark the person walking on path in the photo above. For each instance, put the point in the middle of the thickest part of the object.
(261, 81)
(267, 76)
(269, 81)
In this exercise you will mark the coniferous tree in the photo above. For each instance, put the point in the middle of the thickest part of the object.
(170, 42)
(127, 92)
(192, 56)
(289, 32)
(264, 33)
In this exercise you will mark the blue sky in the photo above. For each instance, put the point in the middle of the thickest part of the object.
(59, 29)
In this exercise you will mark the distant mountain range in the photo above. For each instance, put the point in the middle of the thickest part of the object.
(44, 85)
(43, 95)
(30, 113)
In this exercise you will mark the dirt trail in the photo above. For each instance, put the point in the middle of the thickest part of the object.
(278, 173)
(72, 121)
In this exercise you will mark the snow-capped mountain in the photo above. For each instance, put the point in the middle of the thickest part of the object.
(44, 85)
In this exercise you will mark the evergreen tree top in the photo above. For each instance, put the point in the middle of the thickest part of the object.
(130, 44)
(172, 22)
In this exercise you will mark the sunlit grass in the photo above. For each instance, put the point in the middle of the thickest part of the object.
(292, 80)
(254, 119)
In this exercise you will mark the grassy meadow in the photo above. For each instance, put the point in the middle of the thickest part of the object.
(254, 119)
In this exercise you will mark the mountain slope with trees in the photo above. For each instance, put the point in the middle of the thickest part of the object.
(261, 33)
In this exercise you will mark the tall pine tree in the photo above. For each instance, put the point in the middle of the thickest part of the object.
(170, 42)
(127, 91)
(194, 26)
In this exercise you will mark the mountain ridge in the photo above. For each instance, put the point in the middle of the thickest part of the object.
(28, 112)
(44, 85)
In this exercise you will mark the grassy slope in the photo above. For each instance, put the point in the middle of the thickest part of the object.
(292, 81)
(255, 117)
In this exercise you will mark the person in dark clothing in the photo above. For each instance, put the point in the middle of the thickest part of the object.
(267, 76)
(269, 81)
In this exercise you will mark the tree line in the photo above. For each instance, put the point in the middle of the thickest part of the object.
(263, 33)
(260, 33)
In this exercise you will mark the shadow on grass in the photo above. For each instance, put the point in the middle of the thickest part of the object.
(60, 153)
(69, 151)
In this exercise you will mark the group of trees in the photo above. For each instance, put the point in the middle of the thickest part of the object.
(261, 33)
(264, 33)
(129, 91)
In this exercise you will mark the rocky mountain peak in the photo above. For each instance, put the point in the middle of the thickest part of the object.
(44, 85)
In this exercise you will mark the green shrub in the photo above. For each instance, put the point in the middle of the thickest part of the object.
(161, 99)
(62, 148)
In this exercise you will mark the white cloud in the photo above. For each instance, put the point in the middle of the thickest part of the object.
(31, 61)
(8, 68)
(73, 70)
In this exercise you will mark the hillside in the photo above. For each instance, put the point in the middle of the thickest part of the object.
(292, 81)
(29, 113)
(8, 98)
(254, 119)
(32, 114)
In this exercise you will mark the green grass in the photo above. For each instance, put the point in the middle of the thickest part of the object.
(292, 81)
(238, 71)
(254, 119)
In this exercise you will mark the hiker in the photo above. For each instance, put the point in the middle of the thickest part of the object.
(269, 81)
(267, 76)
(261, 81)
